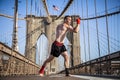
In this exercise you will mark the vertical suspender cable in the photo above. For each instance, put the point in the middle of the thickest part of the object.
(85, 67)
(107, 27)
(71, 55)
(35, 8)
(88, 34)
(39, 51)
(88, 29)
(73, 9)
(15, 28)
(14, 41)
(79, 32)
(78, 7)
(26, 7)
(78, 47)
(108, 62)
(112, 21)
(76, 58)
(117, 31)
(83, 31)
(26, 16)
(31, 9)
(40, 9)
(97, 33)
(72, 12)
(37, 11)
(97, 28)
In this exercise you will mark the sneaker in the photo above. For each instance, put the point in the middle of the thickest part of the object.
(41, 75)
(68, 75)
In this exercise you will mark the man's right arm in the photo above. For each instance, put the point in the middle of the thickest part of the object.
(76, 28)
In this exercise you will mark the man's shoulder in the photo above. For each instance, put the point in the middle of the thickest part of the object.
(60, 25)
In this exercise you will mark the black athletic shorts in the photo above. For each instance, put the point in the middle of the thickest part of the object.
(57, 48)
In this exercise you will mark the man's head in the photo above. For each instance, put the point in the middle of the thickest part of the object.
(67, 19)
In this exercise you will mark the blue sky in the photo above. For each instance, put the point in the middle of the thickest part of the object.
(7, 7)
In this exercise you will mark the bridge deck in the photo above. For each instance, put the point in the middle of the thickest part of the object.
(33, 77)
(56, 77)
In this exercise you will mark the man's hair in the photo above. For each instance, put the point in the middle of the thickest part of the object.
(66, 17)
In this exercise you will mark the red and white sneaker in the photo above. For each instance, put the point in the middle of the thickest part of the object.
(41, 74)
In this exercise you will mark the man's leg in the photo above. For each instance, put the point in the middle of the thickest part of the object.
(66, 62)
(51, 57)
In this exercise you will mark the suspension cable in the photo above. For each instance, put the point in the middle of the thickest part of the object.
(97, 28)
(118, 29)
(26, 7)
(31, 9)
(88, 30)
(35, 8)
(112, 40)
(83, 31)
(78, 48)
(108, 14)
(68, 4)
(107, 27)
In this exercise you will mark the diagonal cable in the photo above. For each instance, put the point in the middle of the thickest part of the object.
(65, 9)
(46, 8)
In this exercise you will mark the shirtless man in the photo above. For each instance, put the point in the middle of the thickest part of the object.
(58, 47)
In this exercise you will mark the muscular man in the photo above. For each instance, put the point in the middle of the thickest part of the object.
(58, 47)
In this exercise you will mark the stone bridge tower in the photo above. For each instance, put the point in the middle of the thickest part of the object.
(38, 25)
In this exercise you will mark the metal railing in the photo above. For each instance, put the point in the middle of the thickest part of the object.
(13, 63)
(108, 65)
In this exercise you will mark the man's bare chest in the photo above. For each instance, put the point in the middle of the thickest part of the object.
(62, 28)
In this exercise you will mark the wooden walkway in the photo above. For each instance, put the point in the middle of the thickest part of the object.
(36, 77)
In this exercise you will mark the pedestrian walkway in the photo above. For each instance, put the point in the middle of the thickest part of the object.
(94, 78)
(55, 77)
(37, 77)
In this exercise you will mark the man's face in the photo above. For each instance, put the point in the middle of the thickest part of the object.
(68, 20)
